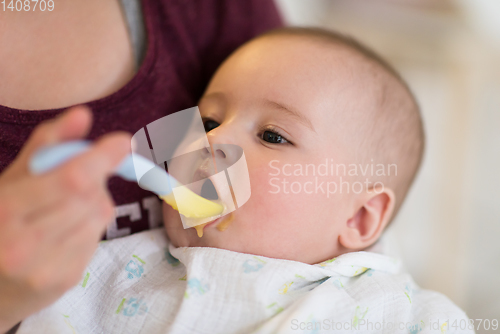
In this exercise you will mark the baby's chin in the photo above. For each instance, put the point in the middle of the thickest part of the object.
(180, 237)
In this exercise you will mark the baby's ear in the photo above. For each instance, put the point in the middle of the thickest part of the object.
(365, 227)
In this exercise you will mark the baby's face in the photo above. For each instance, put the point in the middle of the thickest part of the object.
(286, 102)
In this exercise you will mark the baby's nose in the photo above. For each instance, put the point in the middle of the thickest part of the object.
(224, 154)
(219, 153)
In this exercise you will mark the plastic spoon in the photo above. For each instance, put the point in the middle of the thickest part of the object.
(156, 179)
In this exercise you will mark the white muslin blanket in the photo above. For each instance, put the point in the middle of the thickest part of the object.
(141, 284)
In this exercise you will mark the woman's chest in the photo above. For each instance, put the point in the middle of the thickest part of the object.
(76, 53)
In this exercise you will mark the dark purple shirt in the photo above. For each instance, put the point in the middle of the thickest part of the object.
(187, 40)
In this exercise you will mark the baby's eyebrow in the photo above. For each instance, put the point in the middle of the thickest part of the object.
(290, 111)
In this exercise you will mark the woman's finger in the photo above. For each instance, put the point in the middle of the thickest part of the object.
(97, 164)
(74, 123)
(57, 221)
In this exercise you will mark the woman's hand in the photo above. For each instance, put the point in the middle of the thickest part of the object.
(51, 224)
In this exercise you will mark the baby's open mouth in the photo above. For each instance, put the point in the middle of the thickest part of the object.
(208, 189)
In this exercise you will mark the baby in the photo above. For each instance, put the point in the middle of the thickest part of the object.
(333, 139)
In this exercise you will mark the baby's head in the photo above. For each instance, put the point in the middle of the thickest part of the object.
(332, 138)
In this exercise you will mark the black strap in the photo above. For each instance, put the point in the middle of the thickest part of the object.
(132, 11)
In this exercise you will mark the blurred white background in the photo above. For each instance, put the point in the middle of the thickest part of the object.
(448, 231)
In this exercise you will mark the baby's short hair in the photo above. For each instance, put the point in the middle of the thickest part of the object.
(393, 134)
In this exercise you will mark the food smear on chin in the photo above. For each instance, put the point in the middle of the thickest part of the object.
(226, 221)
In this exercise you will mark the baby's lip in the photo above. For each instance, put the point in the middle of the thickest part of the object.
(216, 221)
(213, 222)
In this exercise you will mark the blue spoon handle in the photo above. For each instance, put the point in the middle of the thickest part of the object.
(152, 178)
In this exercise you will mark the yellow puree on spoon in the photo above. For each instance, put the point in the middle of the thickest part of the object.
(195, 207)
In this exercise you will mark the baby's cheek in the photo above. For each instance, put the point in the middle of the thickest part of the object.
(297, 199)
(173, 226)
(275, 212)
(266, 202)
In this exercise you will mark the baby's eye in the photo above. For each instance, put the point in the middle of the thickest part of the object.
(210, 125)
(273, 137)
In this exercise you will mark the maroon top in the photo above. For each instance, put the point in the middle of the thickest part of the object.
(187, 40)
